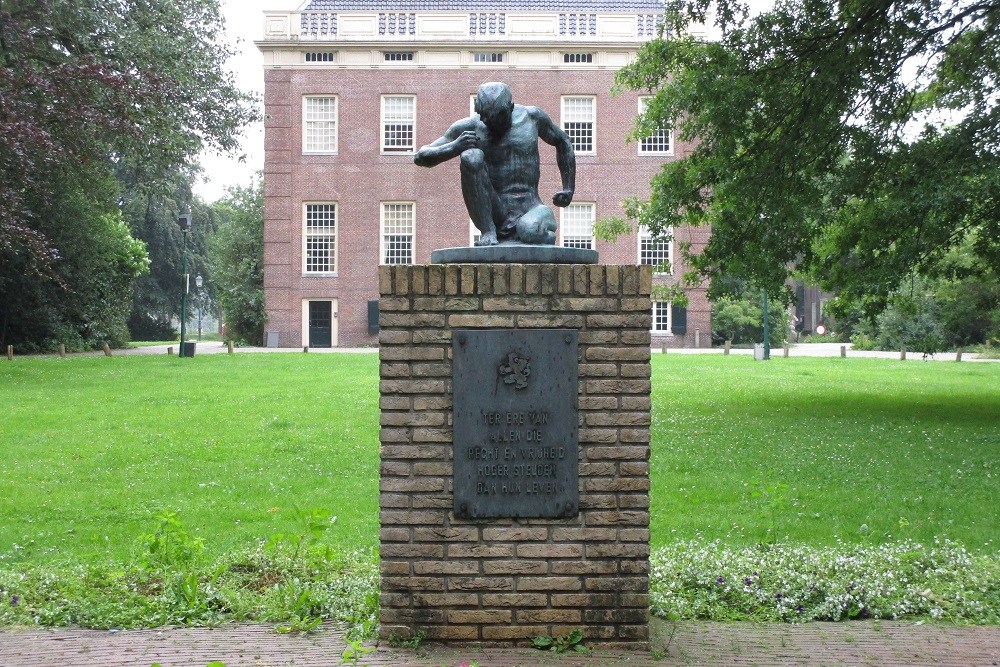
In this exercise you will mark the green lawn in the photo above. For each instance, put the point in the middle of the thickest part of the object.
(812, 450)
(91, 449)
(820, 450)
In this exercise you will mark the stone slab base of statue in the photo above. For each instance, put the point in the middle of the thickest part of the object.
(514, 253)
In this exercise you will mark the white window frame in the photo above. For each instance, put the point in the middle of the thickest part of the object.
(320, 57)
(489, 57)
(659, 137)
(645, 236)
(383, 233)
(320, 124)
(333, 261)
(568, 223)
(391, 150)
(568, 115)
(666, 308)
(398, 56)
(474, 233)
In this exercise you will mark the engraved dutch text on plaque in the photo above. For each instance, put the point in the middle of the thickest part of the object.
(515, 423)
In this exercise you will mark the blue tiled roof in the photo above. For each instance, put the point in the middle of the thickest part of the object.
(575, 6)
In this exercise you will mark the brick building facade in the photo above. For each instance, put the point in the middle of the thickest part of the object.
(354, 87)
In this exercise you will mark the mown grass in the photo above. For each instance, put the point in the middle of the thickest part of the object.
(817, 451)
(811, 451)
(92, 449)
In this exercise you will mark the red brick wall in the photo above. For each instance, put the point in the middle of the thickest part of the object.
(360, 177)
(509, 580)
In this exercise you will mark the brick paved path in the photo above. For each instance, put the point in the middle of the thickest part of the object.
(692, 643)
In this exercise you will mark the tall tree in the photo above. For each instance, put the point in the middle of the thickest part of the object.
(95, 88)
(858, 140)
(152, 217)
(237, 259)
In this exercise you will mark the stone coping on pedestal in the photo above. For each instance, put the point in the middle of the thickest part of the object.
(514, 253)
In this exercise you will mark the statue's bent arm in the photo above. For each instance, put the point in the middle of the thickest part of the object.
(460, 137)
(553, 135)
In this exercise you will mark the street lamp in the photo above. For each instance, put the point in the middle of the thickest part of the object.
(184, 220)
(198, 280)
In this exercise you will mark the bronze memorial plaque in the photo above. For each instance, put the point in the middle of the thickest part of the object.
(515, 423)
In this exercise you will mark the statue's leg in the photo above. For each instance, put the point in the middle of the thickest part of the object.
(478, 194)
(537, 226)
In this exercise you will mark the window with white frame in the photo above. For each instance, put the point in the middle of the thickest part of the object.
(320, 238)
(578, 115)
(578, 226)
(661, 317)
(654, 252)
(319, 124)
(397, 233)
(660, 142)
(474, 233)
(399, 114)
(487, 57)
(321, 56)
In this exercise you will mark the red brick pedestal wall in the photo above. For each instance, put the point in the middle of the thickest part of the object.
(503, 581)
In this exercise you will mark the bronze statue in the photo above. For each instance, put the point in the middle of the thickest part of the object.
(500, 168)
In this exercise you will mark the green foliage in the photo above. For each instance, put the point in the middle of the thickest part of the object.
(152, 213)
(412, 643)
(79, 297)
(910, 322)
(698, 579)
(809, 153)
(561, 644)
(772, 497)
(99, 101)
(170, 546)
(741, 320)
(611, 229)
(237, 258)
(354, 652)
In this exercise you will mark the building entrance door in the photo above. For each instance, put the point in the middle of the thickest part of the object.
(320, 324)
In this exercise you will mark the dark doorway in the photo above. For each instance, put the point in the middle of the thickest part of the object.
(320, 324)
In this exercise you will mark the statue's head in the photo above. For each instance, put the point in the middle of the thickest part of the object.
(495, 104)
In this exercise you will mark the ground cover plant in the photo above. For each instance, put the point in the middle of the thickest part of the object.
(149, 490)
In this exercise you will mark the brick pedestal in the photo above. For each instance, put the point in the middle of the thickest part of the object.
(503, 581)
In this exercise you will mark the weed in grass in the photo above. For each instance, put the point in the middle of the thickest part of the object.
(299, 624)
(773, 499)
(412, 643)
(354, 652)
(562, 643)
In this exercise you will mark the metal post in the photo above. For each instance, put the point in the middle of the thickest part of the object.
(767, 330)
(184, 269)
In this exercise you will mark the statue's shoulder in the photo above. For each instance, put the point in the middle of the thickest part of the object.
(535, 113)
(463, 124)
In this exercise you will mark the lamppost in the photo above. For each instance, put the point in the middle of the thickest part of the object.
(198, 280)
(767, 330)
(184, 220)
